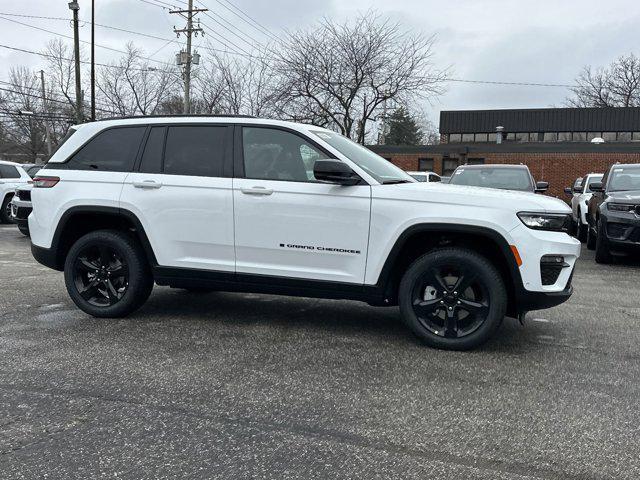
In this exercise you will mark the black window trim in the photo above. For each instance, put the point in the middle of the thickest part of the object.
(238, 150)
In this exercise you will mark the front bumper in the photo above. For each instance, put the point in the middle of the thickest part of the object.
(46, 257)
(622, 230)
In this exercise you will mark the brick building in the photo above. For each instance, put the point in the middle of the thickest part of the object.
(555, 143)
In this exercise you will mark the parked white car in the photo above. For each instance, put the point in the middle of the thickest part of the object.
(12, 175)
(581, 193)
(426, 177)
(255, 205)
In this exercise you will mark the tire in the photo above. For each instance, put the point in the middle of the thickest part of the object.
(5, 213)
(199, 290)
(581, 229)
(591, 239)
(112, 269)
(24, 230)
(438, 314)
(603, 252)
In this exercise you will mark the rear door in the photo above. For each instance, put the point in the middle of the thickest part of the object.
(289, 225)
(181, 193)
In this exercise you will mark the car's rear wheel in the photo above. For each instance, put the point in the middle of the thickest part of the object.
(107, 274)
(603, 249)
(453, 298)
(5, 213)
(581, 229)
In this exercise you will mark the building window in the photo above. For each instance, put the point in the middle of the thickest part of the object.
(467, 137)
(492, 137)
(522, 137)
(510, 137)
(609, 136)
(425, 164)
(449, 165)
(455, 138)
(579, 136)
(592, 135)
(475, 161)
(624, 136)
(564, 137)
(536, 137)
(635, 137)
(550, 137)
(481, 137)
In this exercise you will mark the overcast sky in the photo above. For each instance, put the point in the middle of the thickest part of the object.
(540, 41)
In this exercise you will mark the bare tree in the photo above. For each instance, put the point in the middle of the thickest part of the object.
(131, 86)
(340, 74)
(238, 86)
(615, 86)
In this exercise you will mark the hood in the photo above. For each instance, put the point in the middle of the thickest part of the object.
(630, 196)
(473, 196)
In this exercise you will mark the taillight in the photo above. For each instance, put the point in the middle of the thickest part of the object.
(45, 182)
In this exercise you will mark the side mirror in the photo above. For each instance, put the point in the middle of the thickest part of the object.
(334, 171)
(542, 187)
(577, 190)
(569, 191)
(596, 187)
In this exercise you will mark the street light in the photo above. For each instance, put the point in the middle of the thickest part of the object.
(74, 6)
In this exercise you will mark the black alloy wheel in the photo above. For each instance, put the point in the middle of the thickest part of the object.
(450, 301)
(453, 298)
(107, 274)
(101, 275)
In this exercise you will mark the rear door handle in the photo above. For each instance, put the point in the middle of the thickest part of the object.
(147, 184)
(256, 191)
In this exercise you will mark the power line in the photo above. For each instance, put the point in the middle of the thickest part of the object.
(248, 19)
(523, 84)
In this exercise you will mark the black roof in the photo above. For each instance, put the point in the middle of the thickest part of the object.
(542, 120)
(509, 147)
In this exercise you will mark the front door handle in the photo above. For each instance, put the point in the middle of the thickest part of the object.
(256, 191)
(147, 184)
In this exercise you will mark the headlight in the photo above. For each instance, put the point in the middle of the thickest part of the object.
(555, 222)
(620, 207)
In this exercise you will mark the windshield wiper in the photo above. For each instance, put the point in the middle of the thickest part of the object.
(397, 180)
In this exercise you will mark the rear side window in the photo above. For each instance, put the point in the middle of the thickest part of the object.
(113, 150)
(195, 150)
(152, 156)
(9, 171)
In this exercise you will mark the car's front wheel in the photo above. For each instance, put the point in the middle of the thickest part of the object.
(603, 250)
(24, 230)
(5, 213)
(453, 298)
(581, 229)
(591, 238)
(107, 274)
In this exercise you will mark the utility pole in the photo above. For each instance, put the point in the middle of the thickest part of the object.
(76, 50)
(46, 123)
(185, 58)
(93, 60)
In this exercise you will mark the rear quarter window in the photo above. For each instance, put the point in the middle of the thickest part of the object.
(112, 150)
(9, 171)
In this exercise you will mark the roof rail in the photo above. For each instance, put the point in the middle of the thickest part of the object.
(196, 115)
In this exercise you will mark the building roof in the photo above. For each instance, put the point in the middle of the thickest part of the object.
(542, 120)
(509, 147)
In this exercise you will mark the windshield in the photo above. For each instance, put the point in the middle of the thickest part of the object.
(593, 179)
(420, 178)
(383, 171)
(624, 178)
(502, 178)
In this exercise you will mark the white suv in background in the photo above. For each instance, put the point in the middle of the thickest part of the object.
(246, 204)
(12, 175)
(425, 177)
(581, 193)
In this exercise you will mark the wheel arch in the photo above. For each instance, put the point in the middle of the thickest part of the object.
(422, 238)
(80, 220)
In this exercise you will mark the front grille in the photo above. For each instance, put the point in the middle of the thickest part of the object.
(24, 195)
(550, 273)
(616, 230)
(634, 236)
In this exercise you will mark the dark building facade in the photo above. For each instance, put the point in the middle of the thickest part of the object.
(555, 143)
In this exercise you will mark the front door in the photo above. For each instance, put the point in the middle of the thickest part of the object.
(286, 223)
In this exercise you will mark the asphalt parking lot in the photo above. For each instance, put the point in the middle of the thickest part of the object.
(253, 386)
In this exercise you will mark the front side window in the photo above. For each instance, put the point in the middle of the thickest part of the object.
(502, 178)
(9, 171)
(624, 179)
(273, 154)
(425, 164)
(112, 150)
(195, 150)
(380, 169)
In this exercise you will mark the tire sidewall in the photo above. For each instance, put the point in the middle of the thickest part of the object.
(487, 274)
(138, 284)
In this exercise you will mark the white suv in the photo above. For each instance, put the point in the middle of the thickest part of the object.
(253, 205)
(581, 193)
(12, 175)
